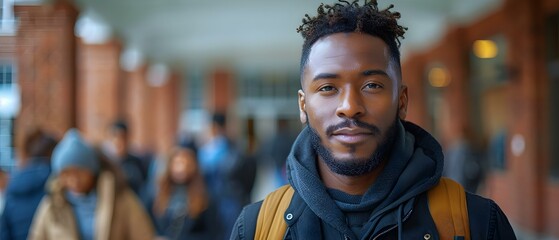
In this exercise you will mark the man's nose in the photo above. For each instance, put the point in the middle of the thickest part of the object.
(351, 104)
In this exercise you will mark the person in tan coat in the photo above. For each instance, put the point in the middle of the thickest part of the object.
(88, 199)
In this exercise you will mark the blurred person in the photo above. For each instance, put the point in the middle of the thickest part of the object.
(462, 162)
(134, 169)
(182, 205)
(276, 149)
(220, 164)
(87, 199)
(4, 177)
(358, 170)
(27, 185)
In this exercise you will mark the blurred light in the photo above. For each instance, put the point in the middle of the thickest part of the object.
(485, 49)
(158, 75)
(131, 59)
(4, 102)
(9, 101)
(92, 29)
(438, 77)
(517, 145)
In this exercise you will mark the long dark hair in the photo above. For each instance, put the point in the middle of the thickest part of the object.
(197, 195)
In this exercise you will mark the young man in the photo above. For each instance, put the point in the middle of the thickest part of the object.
(358, 170)
(134, 169)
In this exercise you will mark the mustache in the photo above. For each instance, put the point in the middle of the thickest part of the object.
(353, 122)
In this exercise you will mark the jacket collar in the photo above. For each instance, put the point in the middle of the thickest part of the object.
(106, 193)
(416, 160)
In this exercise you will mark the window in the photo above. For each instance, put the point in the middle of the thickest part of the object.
(195, 89)
(7, 158)
(7, 23)
(193, 116)
(270, 93)
(6, 75)
(9, 105)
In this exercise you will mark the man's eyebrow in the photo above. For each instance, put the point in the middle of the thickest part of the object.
(333, 75)
(325, 76)
(374, 72)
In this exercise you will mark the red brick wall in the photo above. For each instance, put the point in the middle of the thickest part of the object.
(46, 67)
(139, 110)
(220, 90)
(152, 112)
(98, 88)
(523, 190)
(8, 47)
(68, 83)
(413, 71)
(166, 112)
(525, 40)
(552, 189)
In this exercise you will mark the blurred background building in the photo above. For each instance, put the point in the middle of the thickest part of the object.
(481, 74)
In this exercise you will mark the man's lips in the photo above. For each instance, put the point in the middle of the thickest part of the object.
(351, 135)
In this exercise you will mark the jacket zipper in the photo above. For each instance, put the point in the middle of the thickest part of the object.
(395, 226)
(286, 232)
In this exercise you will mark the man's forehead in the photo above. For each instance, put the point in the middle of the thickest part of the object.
(356, 42)
(348, 50)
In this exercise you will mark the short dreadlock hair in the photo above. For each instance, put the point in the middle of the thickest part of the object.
(346, 17)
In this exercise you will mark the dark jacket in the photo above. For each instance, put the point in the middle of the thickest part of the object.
(134, 173)
(24, 193)
(181, 226)
(395, 207)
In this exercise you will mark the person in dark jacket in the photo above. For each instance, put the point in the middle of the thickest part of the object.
(359, 170)
(135, 169)
(27, 186)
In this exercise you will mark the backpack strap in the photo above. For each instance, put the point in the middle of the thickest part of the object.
(270, 223)
(447, 204)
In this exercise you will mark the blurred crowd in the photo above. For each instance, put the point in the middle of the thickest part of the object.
(69, 188)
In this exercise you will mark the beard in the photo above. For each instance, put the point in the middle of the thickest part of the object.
(355, 166)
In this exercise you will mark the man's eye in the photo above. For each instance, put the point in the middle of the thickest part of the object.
(373, 86)
(326, 89)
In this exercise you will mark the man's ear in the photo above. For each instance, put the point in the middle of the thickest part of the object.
(403, 102)
(302, 112)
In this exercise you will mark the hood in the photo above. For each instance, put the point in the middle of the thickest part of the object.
(414, 166)
(29, 180)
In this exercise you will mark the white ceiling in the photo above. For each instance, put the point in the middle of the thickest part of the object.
(246, 33)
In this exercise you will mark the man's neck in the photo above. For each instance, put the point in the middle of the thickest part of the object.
(354, 185)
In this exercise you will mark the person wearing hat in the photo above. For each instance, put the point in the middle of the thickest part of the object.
(87, 198)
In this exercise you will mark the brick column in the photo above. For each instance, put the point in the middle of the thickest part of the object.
(99, 95)
(220, 90)
(139, 111)
(46, 66)
(454, 54)
(413, 72)
(524, 30)
(166, 113)
(8, 47)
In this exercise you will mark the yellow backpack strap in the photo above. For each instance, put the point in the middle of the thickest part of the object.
(270, 223)
(447, 204)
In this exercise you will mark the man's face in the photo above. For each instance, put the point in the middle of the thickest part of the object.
(118, 141)
(351, 98)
